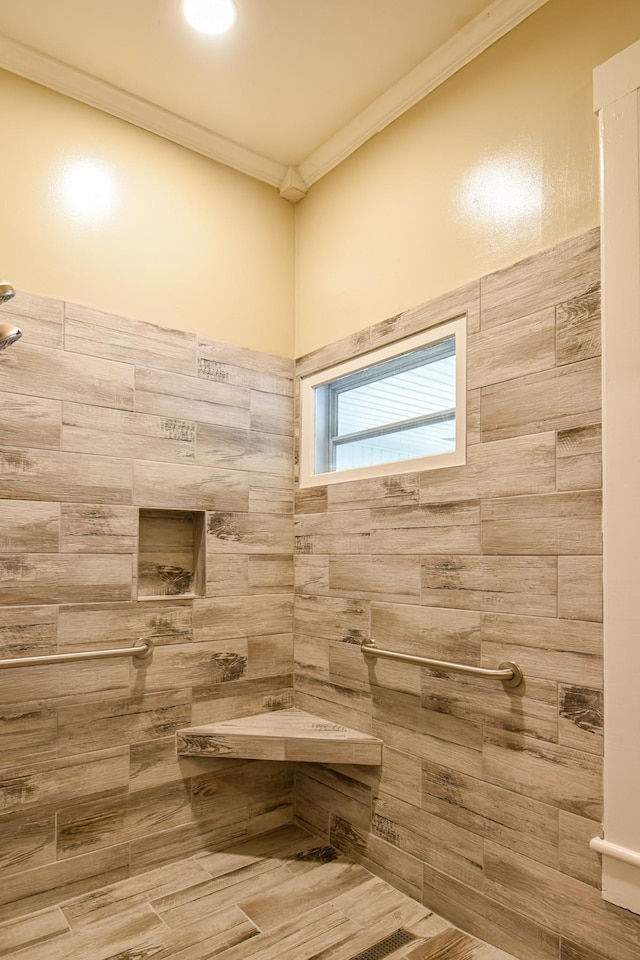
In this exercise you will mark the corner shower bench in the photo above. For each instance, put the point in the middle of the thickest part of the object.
(280, 735)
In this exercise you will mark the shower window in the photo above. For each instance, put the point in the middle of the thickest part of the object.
(399, 408)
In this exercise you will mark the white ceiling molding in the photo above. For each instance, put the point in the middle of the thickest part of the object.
(472, 40)
(96, 93)
(293, 182)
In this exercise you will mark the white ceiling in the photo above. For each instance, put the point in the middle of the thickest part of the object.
(292, 89)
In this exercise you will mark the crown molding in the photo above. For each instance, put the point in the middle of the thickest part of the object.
(292, 182)
(489, 26)
(81, 86)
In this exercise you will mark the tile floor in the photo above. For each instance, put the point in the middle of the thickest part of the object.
(284, 895)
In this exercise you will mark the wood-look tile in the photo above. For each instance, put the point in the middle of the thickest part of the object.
(576, 858)
(431, 839)
(26, 841)
(488, 918)
(270, 573)
(212, 369)
(554, 524)
(227, 618)
(98, 528)
(311, 575)
(167, 846)
(31, 474)
(270, 656)
(29, 526)
(271, 413)
(96, 430)
(579, 458)
(564, 777)
(27, 630)
(231, 533)
(224, 701)
(552, 400)
(61, 578)
(400, 776)
(54, 883)
(65, 779)
(84, 827)
(473, 417)
(27, 731)
(270, 494)
(581, 715)
(332, 618)
(442, 634)
(203, 401)
(570, 907)
(30, 421)
(230, 447)
(463, 301)
(578, 335)
(379, 492)
(336, 352)
(455, 945)
(466, 758)
(580, 588)
(542, 280)
(189, 487)
(391, 577)
(113, 624)
(407, 711)
(511, 350)
(98, 725)
(571, 951)
(40, 317)
(400, 869)
(245, 357)
(57, 375)
(314, 793)
(99, 334)
(337, 703)
(500, 584)
(490, 811)
(503, 468)
(25, 932)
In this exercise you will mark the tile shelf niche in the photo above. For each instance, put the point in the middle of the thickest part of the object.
(171, 554)
(281, 735)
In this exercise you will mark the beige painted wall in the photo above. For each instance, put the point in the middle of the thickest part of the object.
(186, 243)
(498, 163)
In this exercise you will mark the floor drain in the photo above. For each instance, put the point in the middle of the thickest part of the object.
(400, 938)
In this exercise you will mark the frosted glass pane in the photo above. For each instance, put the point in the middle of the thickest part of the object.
(402, 396)
(422, 441)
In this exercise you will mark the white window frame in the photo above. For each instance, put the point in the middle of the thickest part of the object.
(308, 431)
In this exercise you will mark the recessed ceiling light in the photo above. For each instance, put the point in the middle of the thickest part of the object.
(210, 16)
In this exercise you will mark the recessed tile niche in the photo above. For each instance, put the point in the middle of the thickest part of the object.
(171, 554)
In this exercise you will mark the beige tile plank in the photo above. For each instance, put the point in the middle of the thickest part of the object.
(30, 421)
(554, 524)
(558, 274)
(232, 533)
(439, 633)
(94, 430)
(553, 400)
(27, 630)
(99, 334)
(212, 369)
(466, 758)
(376, 578)
(26, 841)
(62, 578)
(561, 776)
(578, 323)
(29, 526)
(311, 575)
(399, 868)
(178, 666)
(230, 447)
(57, 375)
(492, 812)
(25, 932)
(114, 624)
(576, 858)
(189, 487)
(407, 711)
(271, 413)
(224, 701)
(270, 494)
(311, 500)
(323, 524)
(488, 918)
(27, 731)
(579, 458)
(379, 492)
(501, 584)
(58, 781)
(549, 655)
(270, 656)
(31, 474)
(580, 588)
(270, 573)
(98, 528)
(511, 350)
(203, 401)
(349, 543)
(226, 618)
(332, 618)
(42, 317)
(56, 882)
(581, 716)
(503, 468)
(400, 776)
(244, 357)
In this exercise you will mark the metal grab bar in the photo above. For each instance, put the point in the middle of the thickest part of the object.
(142, 649)
(509, 673)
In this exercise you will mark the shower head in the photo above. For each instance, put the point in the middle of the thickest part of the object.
(6, 291)
(8, 335)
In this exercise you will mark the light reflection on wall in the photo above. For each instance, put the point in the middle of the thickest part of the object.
(85, 189)
(502, 191)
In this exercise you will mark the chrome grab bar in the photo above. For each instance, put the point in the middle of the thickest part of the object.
(509, 673)
(142, 649)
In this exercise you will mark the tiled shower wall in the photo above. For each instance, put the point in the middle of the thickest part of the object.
(100, 416)
(487, 798)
